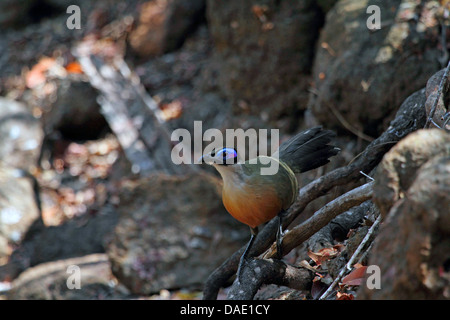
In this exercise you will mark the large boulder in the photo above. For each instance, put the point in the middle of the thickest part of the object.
(77, 237)
(398, 169)
(263, 56)
(80, 278)
(66, 100)
(411, 248)
(361, 76)
(21, 135)
(18, 210)
(164, 24)
(412, 190)
(172, 232)
(432, 92)
(78, 118)
(15, 13)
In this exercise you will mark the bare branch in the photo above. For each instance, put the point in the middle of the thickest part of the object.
(341, 118)
(350, 262)
(339, 227)
(267, 271)
(410, 117)
(321, 218)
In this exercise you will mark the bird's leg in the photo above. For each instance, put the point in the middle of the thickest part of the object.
(254, 232)
(279, 234)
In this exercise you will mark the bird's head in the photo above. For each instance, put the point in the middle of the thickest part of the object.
(224, 156)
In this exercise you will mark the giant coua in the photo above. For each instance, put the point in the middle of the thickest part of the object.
(254, 198)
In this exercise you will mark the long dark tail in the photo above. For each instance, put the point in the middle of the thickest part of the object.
(308, 149)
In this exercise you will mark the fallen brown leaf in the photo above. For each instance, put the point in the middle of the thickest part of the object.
(356, 277)
(74, 67)
(36, 75)
(323, 254)
(344, 296)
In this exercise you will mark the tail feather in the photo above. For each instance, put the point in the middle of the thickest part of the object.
(308, 150)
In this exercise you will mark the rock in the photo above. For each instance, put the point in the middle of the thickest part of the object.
(20, 135)
(399, 166)
(263, 56)
(56, 281)
(18, 210)
(442, 107)
(411, 249)
(74, 112)
(176, 72)
(364, 76)
(14, 13)
(173, 231)
(79, 236)
(326, 5)
(65, 101)
(275, 292)
(49, 18)
(164, 24)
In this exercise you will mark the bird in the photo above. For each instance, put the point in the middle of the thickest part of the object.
(253, 198)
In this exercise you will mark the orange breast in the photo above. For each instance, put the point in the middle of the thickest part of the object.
(252, 207)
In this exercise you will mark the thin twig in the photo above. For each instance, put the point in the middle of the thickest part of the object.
(363, 256)
(439, 92)
(349, 264)
(446, 119)
(367, 176)
(321, 218)
(347, 125)
(342, 119)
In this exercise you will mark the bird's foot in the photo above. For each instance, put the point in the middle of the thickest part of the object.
(242, 262)
(279, 254)
(279, 237)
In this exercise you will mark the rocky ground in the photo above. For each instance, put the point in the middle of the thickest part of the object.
(257, 64)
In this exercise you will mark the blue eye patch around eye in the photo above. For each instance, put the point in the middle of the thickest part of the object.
(227, 153)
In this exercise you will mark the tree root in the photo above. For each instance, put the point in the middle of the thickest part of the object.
(410, 117)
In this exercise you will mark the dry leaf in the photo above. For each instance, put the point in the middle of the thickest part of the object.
(172, 110)
(259, 12)
(344, 296)
(356, 277)
(36, 75)
(306, 265)
(74, 67)
(323, 254)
